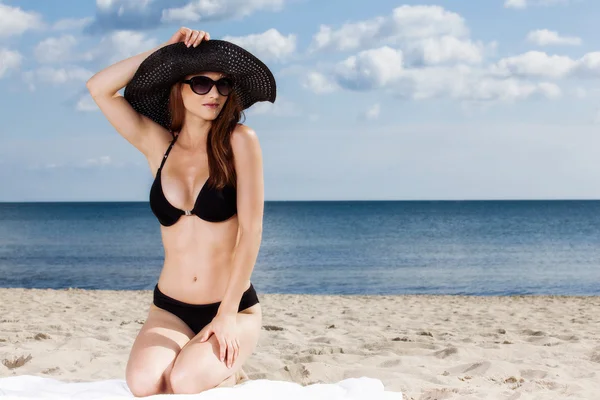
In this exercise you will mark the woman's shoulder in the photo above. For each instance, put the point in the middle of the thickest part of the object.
(243, 132)
(243, 137)
(242, 129)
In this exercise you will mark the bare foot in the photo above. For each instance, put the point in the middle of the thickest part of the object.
(241, 376)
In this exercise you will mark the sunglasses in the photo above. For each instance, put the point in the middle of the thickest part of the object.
(203, 85)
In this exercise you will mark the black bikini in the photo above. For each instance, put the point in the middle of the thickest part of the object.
(197, 316)
(212, 205)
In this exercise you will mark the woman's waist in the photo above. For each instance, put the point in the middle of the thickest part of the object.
(194, 285)
(195, 269)
(192, 257)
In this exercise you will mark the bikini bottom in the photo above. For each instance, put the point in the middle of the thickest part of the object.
(197, 316)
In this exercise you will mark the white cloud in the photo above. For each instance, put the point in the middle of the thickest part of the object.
(127, 43)
(579, 92)
(14, 21)
(373, 112)
(405, 23)
(269, 45)
(71, 24)
(468, 84)
(86, 103)
(55, 49)
(515, 3)
(92, 162)
(319, 83)
(588, 65)
(522, 4)
(119, 45)
(370, 69)
(427, 54)
(9, 60)
(281, 108)
(549, 90)
(123, 5)
(540, 64)
(56, 76)
(198, 10)
(383, 68)
(439, 50)
(144, 15)
(545, 37)
(63, 74)
(535, 64)
(103, 4)
(427, 35)
(351, 36)
(113, 47)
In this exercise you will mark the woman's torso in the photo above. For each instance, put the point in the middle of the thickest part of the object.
(198, 252)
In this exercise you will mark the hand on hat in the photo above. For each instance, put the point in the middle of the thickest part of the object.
(189, 36)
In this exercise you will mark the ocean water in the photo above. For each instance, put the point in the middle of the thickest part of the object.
(329, 247)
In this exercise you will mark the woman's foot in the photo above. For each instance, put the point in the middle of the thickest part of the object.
(241, 376)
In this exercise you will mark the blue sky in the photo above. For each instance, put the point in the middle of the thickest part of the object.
(379, 100)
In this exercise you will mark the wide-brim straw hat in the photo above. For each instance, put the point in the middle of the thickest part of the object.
(149, 89)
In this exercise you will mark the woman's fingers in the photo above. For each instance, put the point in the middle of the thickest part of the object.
(236, 349)
(193, 38)
(188, 35)
(230, 353)
(201, 35)
(222, 348)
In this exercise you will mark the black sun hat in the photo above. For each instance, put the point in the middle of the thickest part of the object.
(149, 89)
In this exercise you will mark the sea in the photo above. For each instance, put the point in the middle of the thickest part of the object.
(481, 248)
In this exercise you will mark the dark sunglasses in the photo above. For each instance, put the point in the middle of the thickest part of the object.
(203, 85)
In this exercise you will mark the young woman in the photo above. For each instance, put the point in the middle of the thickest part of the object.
(181, 108)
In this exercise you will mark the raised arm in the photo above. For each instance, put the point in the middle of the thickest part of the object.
(143, 133)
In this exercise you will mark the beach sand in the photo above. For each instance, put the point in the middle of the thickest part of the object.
(427, 347)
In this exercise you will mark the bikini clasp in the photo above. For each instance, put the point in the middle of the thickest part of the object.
(188, 212)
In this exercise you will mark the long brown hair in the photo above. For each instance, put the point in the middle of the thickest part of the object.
(218, 145)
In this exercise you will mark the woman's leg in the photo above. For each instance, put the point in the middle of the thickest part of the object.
(154, 351)
(198, 368)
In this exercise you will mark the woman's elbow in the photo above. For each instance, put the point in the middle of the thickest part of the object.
(96, 88)
(92, 87)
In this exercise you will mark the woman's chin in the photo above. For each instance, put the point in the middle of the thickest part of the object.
(209, 116)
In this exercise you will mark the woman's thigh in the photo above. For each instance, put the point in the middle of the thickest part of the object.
(198, 367)
(154, 351)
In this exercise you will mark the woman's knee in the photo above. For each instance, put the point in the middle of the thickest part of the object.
(145, 383)
(148, 380)
(191, 378)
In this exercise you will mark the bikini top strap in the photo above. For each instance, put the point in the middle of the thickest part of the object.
(168, 151)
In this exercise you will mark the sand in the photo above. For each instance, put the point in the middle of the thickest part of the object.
(427, 347)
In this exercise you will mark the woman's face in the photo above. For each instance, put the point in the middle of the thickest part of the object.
(206, 106)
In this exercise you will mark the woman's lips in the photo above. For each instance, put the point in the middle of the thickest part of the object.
(211, 106)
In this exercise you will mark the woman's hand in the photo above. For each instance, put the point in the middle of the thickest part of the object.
(189, 36)
(224, 327)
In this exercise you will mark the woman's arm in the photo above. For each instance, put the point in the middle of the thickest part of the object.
(139, 130)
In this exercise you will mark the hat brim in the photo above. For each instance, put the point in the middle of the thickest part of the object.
(149, 89)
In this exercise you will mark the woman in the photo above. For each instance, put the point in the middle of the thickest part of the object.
(181, 108)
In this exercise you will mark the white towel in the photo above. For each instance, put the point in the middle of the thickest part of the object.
(37, 387)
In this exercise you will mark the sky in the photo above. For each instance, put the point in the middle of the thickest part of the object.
(376, 100)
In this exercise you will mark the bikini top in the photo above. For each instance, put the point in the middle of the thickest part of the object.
(212, 205)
